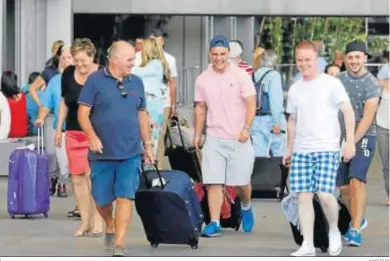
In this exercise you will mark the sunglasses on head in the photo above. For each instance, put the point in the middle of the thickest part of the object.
(121, 88)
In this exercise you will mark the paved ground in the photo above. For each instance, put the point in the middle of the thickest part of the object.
(271, 236)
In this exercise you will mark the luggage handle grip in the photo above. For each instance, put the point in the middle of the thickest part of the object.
(155, 165)
(40, 139)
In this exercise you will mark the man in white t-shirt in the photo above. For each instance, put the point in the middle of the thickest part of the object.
(170, 95)
(5, 118)
(314, 144)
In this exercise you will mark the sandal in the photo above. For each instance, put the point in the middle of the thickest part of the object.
(75, 213)
(96, 234)
(80, 233)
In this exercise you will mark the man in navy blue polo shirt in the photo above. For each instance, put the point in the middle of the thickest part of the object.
(112, 113)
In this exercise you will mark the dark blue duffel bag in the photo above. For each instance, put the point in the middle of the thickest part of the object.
(169, 208)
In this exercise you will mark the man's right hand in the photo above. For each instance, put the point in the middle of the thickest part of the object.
(196, 141)
(287, 158)
(95, 145)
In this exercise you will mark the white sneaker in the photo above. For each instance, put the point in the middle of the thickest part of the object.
(306, 249)
(335, 243)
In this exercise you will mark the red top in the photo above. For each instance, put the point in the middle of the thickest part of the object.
(246, 66)
(18, 110)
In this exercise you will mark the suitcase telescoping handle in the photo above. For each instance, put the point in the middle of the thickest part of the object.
(177, 121)
(155, 165)
(40, 139)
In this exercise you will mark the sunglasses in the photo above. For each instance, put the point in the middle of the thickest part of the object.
(121, 88)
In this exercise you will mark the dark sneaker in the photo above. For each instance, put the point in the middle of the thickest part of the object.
(61, 191)
(119, 251)
(109, 242)
(53, 184)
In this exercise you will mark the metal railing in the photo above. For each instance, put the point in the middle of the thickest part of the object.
(187, 77)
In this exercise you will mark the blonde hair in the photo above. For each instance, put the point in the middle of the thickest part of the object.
(83, 45)
(152, 49)
(257, 53)
(55, 46)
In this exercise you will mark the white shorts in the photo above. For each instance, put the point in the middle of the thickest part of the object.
(227, 162)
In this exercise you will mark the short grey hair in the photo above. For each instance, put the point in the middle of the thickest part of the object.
(268, 59)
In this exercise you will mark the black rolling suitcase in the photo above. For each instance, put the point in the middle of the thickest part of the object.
(268, 175)
(170, 211)
(181, 157)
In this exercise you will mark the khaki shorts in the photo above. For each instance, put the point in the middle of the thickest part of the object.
(227, 162)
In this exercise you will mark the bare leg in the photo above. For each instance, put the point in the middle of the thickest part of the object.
(82, 194)
(123, 214)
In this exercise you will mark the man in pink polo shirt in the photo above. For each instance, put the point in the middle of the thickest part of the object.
(226, 94)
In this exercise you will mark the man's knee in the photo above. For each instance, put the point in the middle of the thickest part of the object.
(305, 197)
(356, 185)
(326, 198)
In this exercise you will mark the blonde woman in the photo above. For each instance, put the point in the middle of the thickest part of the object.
(256, 57)
(155, 75)
(76, 141)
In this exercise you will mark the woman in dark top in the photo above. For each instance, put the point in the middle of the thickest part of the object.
(52, 68)
(76, 141)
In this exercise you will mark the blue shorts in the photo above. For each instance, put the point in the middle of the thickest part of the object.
(314, 172)
(358, 167)
(113, 179)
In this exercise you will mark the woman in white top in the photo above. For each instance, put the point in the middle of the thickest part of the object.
(5, 117)
(382, 119)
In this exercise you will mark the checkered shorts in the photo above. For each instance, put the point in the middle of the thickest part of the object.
(314, 172)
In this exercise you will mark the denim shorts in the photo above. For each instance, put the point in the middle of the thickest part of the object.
(358, 167)
(113, 179)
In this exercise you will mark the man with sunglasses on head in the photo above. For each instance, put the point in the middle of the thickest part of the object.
(112, 113)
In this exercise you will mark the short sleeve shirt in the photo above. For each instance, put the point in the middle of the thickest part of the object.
(316, 104)
(48, 73)
(224, 95)
(114, 118)
(360, 89)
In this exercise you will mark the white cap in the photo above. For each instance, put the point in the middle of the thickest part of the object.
(235, 50)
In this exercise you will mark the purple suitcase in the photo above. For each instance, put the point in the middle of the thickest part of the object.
(28, 181)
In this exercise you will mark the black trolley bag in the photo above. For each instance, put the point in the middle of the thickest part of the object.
(268, 175)
(182, 158)
(170, 212)
(321, 226)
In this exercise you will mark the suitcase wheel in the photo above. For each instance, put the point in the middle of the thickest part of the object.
(194, 246)
(237, 228)
(154, 245)
(12, 216)
(27, 216)
(46, 215)
(323, 249)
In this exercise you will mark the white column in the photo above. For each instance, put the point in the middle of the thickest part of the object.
(59, 22)
(30, 39)
(3, 15)
(246, 34)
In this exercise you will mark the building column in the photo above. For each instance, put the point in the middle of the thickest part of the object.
(59, 22)
(246, 34)
(225, 25)
(30, 38)
(3, 24)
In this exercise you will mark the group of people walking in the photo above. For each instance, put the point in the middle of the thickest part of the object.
(100, 120)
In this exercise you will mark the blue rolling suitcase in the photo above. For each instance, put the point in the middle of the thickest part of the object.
(169, 208)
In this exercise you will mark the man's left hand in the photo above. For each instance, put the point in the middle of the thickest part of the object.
(244, 136)
(149, 155)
